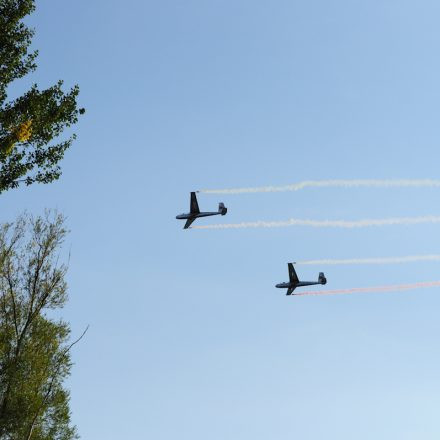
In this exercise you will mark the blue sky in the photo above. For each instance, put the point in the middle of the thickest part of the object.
(188, 336)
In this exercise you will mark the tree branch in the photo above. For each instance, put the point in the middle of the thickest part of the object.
(49, 390)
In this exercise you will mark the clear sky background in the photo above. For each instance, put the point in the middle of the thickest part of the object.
(188, 337)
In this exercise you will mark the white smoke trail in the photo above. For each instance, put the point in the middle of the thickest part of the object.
(326, 223)
(391, 288)
(378, 260)
(346, 183)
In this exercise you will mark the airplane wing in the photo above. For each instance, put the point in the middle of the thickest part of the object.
(290, 290)
(194, 206)
(293, 277)
(188, 223)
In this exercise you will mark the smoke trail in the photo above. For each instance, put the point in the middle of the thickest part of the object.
(369, 183)
(326, 223)
(391, 288)
(378, 260)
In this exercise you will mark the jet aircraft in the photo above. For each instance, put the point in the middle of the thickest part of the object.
(294, 282)
(195, 212)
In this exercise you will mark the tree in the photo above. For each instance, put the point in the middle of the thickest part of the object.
(34, 349)
(30, 123)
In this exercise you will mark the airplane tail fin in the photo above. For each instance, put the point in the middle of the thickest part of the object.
(322, 279)
(222, 209)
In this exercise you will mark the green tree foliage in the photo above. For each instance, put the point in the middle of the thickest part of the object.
(34, 350)
(31, 123)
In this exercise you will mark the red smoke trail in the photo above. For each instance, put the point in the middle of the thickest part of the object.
(391, 288)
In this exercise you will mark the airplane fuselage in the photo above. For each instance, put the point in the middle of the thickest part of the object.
(295, 285)
(199, 214)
